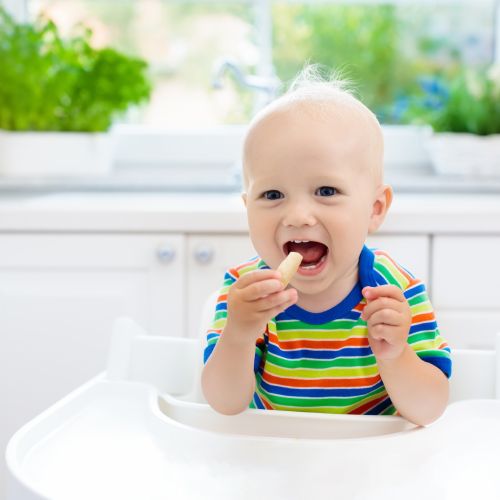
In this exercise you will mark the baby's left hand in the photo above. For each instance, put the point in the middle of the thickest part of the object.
(388, 317)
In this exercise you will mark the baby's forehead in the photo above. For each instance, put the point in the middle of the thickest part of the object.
(333, 111)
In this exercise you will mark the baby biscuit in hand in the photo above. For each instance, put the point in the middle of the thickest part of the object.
(289, 267)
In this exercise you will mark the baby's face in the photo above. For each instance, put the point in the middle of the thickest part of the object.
(309, 191)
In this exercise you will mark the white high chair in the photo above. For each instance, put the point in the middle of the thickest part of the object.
(142, 430)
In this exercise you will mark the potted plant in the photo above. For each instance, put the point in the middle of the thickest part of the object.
(463, 112)
(58, 98)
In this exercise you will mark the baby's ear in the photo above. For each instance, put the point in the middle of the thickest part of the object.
(380, 207)
(244, 197)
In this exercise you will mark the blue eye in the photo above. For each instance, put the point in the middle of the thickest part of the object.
(326, 191)
(273, 195)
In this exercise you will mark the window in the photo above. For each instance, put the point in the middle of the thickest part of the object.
(383, 47)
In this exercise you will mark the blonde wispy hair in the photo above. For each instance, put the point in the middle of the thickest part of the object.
(318, 93)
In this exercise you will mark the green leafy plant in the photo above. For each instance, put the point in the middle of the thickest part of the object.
(49, 84)
(362, 40)
(463, 101)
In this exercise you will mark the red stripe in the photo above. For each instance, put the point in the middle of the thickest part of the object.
(321, 382)
(318, 344)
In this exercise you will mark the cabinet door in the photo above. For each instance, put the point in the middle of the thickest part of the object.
(411, 251)
(466, 272)
(209, 257)
(59, 295)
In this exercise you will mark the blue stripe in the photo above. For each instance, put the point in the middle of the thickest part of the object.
(380, 408)
(327, 392)
(206, 353)
(349, 352)
(414, 291)
(444, 364)
(428, 326)
(258, 402)
(221, 306)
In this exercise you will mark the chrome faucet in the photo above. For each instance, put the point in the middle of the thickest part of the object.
(269, 85)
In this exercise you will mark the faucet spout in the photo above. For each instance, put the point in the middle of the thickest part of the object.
(269, 85)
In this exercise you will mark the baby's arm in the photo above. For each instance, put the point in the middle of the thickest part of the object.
(419, 390)
(228, 378)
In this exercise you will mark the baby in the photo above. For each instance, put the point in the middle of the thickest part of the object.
(354, 332)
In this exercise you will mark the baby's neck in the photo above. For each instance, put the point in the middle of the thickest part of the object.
(332, 296)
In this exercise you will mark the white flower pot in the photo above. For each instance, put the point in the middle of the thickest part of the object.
(55, 154)
(464, 154)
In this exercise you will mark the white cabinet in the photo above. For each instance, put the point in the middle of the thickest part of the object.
(59, 295)
(209, 257)
(466, 296)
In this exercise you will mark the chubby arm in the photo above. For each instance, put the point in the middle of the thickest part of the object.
(419, 390)
(228, 379)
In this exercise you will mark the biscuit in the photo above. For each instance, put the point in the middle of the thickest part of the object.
(289, 267)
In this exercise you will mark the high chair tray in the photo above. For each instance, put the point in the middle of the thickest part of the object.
(119, 440)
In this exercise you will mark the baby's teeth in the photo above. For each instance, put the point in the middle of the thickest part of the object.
(308, 267)
(322, 258)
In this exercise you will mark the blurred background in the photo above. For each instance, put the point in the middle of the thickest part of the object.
(382, 48)
(121, 126)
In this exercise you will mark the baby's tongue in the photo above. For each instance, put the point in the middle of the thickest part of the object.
(311, 252)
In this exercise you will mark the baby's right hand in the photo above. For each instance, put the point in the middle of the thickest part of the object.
(253, 300)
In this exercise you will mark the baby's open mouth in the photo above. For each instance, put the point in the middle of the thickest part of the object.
(313, 253)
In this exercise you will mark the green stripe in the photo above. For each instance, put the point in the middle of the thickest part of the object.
(321, 363)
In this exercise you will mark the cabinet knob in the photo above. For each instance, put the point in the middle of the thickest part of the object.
(165, 252)
(204, 253)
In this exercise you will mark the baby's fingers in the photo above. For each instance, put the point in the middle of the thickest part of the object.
(390, 291)
(275, 300)
(256, 276)
(380, 304)
(260, 289)
(386, 317)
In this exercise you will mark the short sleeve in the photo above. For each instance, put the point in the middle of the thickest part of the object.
(220, 319)
(424, 336)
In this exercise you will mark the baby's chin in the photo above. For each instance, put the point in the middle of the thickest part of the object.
(312, 285)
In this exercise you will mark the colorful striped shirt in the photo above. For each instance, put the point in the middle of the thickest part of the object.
(322, 362)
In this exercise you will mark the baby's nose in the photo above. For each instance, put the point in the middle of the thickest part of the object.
(299, 214)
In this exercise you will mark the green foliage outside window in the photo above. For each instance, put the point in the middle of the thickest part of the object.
(464, 100)
(375, 45)
(48, 84)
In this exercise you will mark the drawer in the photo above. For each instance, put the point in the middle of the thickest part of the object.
(466, 272)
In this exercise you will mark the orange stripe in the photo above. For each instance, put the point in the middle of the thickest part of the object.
(318, 344)
(247, 264)
(321, 382)
(400, 269)
(222, 298)
(422, 318)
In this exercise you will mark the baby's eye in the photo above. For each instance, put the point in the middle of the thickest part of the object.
(326, 191)
(273, 195)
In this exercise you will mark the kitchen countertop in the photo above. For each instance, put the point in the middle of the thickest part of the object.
(225, 213)
(224, 179)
